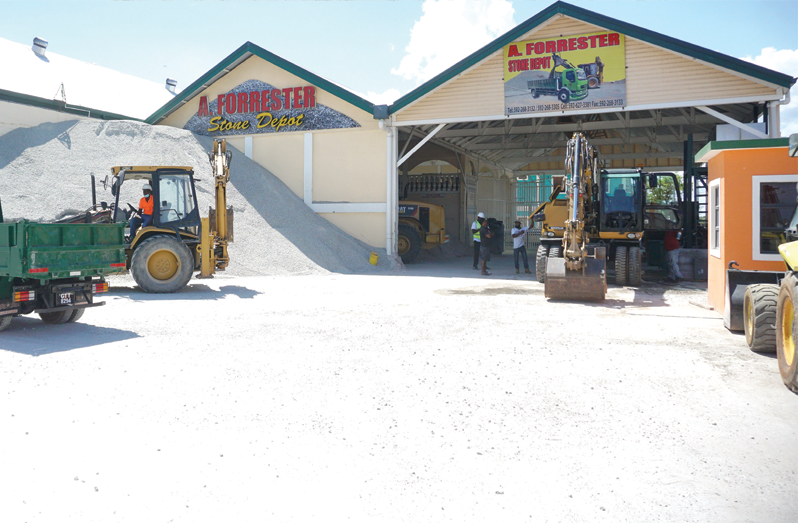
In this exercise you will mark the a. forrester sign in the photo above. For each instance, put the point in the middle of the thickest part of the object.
(255, 107)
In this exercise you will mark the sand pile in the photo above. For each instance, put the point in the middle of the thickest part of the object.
(44, 171)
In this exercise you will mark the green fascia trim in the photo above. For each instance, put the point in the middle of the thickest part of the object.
(712, 149)
(578, 13)
(61, 107)
(255, 50)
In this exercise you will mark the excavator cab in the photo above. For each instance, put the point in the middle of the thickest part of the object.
(621, 201)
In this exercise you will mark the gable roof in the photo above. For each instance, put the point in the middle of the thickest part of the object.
(238, 57)
(578, 13)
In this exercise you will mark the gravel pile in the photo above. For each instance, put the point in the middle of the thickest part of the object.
(44, 174)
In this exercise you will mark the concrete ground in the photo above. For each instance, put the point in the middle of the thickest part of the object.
(431, 395)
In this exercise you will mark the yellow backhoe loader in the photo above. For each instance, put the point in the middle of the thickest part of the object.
(163, 255)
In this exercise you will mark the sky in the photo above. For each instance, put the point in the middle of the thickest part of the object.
(377, 49)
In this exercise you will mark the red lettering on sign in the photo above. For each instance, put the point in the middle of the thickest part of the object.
(310, 97)
(243, 103)
(562, 45)
(602, 40)
(219, 103)
(572, 44)
(254, 102)
(230, 103)
(287, 93)
(297, 98)
(593, 39)
(530, 48)
(551, 46)
(203, 107)
(581, 42)
(277, 103)
(615, 39)
(540, 48)
(513, 51)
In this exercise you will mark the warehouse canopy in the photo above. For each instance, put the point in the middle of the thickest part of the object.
(672, 90)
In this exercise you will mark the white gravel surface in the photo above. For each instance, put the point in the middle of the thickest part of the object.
(436, 395)
(45, 170)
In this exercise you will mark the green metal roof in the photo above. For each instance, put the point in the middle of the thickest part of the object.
(562, 8)
(61, 107)
(236, 58)
(712, 149)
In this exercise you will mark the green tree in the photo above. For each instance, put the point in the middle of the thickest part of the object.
(665, 191)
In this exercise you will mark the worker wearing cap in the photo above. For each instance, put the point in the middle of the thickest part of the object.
(145, 211)
(475, 231)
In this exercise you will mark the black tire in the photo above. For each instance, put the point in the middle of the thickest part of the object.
(621, 269)
(76, 315)
(540, 263)
(162, 264)
(785, 332)
(5, 321)
(634, 267)
(409, 243)
(55, 318)
(759, 316)
(593, 82)
(564, 96)
(535, 94)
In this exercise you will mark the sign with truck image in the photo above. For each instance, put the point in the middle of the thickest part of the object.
(574, 72)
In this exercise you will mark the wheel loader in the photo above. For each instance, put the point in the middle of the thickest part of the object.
(163, 255)
(421, 226)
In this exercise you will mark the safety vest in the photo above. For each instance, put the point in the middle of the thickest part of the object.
(476, 234)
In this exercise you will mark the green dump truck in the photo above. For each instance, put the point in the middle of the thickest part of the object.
(567, 86)
(56, 269)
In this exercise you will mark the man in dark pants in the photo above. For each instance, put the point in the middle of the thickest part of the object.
(475, 232)
(519, 246)
(486, 239)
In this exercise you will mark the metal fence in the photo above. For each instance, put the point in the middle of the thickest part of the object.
(530, 193)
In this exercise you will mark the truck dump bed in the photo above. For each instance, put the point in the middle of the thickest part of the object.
(53, 250)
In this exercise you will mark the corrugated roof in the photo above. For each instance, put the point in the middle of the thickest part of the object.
(86, 85)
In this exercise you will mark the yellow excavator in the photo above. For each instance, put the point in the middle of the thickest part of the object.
(577, 269)
(163, 255)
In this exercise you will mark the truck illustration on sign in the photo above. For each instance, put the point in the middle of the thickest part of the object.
(571, 83)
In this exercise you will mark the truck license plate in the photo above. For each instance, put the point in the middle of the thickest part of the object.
(66, 298)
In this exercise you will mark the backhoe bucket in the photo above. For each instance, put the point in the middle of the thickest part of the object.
(587, 284)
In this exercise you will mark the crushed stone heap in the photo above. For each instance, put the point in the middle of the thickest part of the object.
(45, 174)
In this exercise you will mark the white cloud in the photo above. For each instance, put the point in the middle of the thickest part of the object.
(784, 61)
(450, 30)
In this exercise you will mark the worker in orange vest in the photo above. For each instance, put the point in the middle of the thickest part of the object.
(145, 211)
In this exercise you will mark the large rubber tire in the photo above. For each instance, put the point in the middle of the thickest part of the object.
(55, 318)
(409, 243)
(5, 321)
(634, 265)
(162, 264)
(540, 263)
(563, 96)
(759, 316)
(555, 252)
(76, 315)
(621, 269)
(785, 332)
(593, 82)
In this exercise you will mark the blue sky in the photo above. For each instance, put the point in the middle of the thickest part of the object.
(379, 49)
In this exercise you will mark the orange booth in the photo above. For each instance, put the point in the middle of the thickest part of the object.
(751, 201)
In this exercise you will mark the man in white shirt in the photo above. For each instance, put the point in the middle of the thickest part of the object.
(519, 246)
(475, 231)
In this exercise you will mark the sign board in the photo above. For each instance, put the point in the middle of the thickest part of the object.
(255, 107)
(586, 71)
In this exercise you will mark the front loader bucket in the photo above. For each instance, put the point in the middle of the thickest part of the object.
(590, 283)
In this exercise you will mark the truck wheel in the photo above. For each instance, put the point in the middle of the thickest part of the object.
(785, 333)
(409, 243)
(5, 321)
(634, 267)
(162, 264)
(76, 315)
(540, 263)
(55, 318)
(564, 96)
(535, 93)
(759, 315)
(621, 257)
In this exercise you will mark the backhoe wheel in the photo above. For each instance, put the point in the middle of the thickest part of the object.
(55, 318)
(409, 243)
(76, 315)
(785, 332)
(162, 264)
(5, 321)
(540, 263)
(621, 259)
(634, 267)
(759, 315)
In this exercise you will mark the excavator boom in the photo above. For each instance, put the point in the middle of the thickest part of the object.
(217, 228)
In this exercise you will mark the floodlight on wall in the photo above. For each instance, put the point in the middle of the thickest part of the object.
(39, 46)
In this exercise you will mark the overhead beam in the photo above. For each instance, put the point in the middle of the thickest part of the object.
(727, 119)
(421, 143)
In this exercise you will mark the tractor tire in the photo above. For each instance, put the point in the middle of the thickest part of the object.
(634, 267)
(564, 96)
(5, 321)
(555, 252)
(56, 318)
(540, 263)
(409, 243)
(76, 315)
(162, 264)
(592, 83)
(621, 259)
(759, 316)
(785, 332)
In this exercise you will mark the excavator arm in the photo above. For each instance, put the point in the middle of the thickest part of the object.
(217, 228)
